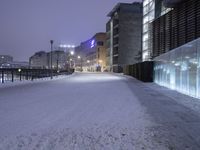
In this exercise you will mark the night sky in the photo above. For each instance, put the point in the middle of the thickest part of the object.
(26, 26)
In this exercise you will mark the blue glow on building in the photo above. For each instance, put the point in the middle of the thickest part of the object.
(92, 44)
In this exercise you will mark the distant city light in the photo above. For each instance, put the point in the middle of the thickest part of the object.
(66, 46)
(72, 52)
(88, 61)
(19, 70)
(79, 57)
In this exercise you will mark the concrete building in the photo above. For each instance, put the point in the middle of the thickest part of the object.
(59, 60)
(124, 35)
(92, 53)
(39, 60)
(176, 47)
(42, 60)
(5, 59)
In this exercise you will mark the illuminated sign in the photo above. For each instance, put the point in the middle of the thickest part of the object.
(92, 44)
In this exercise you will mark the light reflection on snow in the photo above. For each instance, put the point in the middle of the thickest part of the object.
(96, 77)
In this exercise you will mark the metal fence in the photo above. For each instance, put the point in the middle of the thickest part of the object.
(17, 74)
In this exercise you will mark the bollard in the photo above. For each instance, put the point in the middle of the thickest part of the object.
(26, 75)
(12, 72)
(2, 81)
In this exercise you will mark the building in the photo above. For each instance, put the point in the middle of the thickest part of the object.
(176, 47)
(5, 59)
(124, 36)
(152, 9)
(59, 60)
(91, 61)
(92, 53)
(42, 60)
(39, 60)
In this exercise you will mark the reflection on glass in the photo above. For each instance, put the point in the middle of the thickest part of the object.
(179, 69)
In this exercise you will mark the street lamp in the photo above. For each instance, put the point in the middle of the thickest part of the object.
(79, 57)
(72, 53)
(88, 65)
(51, 42)
(70, 62)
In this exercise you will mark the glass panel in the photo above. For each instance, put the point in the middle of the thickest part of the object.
(145, 9)
(145, 2)
(151, 15)
(179, 69)
(151, 5)
(145, 55)
(198, 68)
(145, 27)
(145, 45)
(145, 37)
(145, 20)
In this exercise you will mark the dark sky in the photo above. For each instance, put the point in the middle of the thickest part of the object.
(26, 26)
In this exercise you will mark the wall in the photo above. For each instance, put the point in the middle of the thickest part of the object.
(177, 27)
(142, 71)
(179, 69)
(130, 38)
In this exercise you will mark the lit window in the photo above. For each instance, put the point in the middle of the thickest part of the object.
(145, 2)
(145, 20)
(145, 37)
(145, 27)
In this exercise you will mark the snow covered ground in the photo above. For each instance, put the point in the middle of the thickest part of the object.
(94, 111)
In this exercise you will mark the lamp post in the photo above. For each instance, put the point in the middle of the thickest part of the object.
(79, 57)
(51, 42)
(71, 58)
(88, 65)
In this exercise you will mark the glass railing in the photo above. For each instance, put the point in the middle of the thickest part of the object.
(179, 69)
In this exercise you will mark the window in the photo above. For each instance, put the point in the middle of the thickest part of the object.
(100, 43)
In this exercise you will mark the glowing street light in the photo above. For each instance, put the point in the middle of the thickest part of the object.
(66, 46)
(19, 70)
(72, 52)
(79, 57)
(88, 61)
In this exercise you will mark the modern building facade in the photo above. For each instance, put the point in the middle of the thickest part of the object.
(124, 36)
(5, 59)
(177, 27)
(42, 60)
(92, 53)
(59, 59)
(176, 44)
(152, 9)
(39, 60)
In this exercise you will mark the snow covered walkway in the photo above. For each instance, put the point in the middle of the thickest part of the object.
(94, 111)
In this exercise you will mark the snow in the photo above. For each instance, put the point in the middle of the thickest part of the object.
(18, 82)
(93, 111)
(187, 101)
